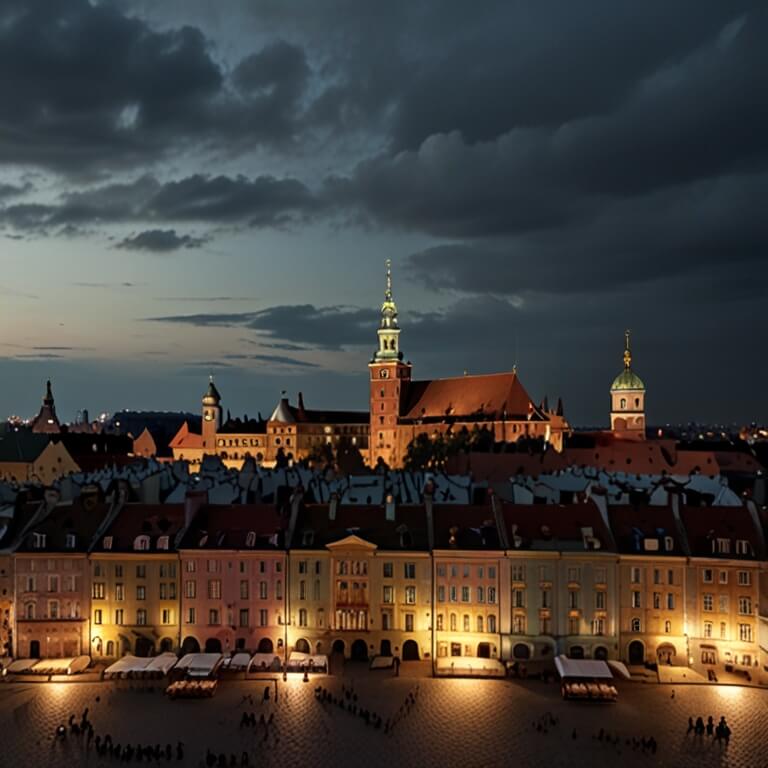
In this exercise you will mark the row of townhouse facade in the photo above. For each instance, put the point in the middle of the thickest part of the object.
(672, 584)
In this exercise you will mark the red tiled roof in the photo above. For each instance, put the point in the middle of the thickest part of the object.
(184, 438)
(227, 527)
(626, 520)
(495, 396)
(153, 520)
(550, 524)
(703, 524)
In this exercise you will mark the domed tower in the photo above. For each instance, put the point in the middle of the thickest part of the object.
(211, 415)
(389, 378)
(628, 400)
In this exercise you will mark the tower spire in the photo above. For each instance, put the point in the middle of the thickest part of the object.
(388, 292)
(627, 351)
(389, 332)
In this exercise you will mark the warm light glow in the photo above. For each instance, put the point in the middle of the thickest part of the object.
(729, 692)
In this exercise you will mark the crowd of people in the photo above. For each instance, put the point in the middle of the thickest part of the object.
(348, 702)
(720, 732)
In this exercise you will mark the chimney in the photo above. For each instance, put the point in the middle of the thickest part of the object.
(389, 507)
(193, 501)
(301, 401)
(296, 499)
(334, 503)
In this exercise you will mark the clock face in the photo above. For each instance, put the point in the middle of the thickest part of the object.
(383, 373)
(208, 416)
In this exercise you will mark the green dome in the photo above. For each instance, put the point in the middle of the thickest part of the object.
(627, 380)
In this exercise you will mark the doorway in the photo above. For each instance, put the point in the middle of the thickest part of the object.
(302, 646)
(265, 645)
(484, 650)
(338, 647)
(410, 650)
(34, 649)
(213, 645)
(636, 653)
(386, 648)
(359, 651)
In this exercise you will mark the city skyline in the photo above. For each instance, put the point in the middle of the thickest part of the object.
(223, 193)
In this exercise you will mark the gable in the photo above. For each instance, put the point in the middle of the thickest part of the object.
(351, 542)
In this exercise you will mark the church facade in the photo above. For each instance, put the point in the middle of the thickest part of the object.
(402, 408)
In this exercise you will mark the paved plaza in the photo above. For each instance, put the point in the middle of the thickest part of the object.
(453, 723)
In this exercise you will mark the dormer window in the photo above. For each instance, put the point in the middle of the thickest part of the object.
(721, 546)
(107, 543)
(250, 539)
(743, 547)
(163, 542)
(307, 538)
(141, 543)
(38, 540)
(70, 541)
(203, 540)
(669, 543)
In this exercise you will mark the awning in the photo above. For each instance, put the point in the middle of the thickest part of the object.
(618, 666)
(584, 668)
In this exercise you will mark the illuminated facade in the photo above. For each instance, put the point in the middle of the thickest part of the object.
(628, 401)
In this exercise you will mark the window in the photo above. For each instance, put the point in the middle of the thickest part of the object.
(278, 590)
(492, 595)
(491, 571)
(191, 616)
(38, 540)
(574, 575)
(302, 566)
(479, 623)
(163, 591)
(723, 631)
(707, 575)
(721, 546)
(119, 616)
(598, 626)
(745, 633)
(635, 625)
(29, 611)
(743, 547)
(213, 616)
(410, 595)
(481, 594)
(190, 589)
(317, 568)
(141, 571)
(264, 590)
(409, 622)
(707, 629)
(453, 593)
(440, 570)
(213, 566)
(439, 622)
(709, 601)
(745, 606)
(667, 626)
(107, 542)
(670, 577)
(636, 602)
(302, 617)
(53, 583)
(97, 590)
(97, 616)
(518, 598)
(452, 622)
(141, 617)
(723, 603)
(745, 578)
(389, 594)
(264, 617)
(214, 589)
(388, 569)
(670, 601)
(191, 566)
(656, 576)
(466, 623)
(163, 542)
(244, 589)
(166, 616)
(573, 599)
(656, 601)
(492, 623)
(141, 543)
(70, 541)
(635, 575)
(141, 593)
(601, 576)
(465, 594)
(303, 589)
(410, 570)
(518, 624)
(723, 577)
(518, 573)
(599, 601)
(546, 600)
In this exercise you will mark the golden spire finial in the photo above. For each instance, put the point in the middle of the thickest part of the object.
(627, 351)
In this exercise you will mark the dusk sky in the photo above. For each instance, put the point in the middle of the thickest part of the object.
(194, 186)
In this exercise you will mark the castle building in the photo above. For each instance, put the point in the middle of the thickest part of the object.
(402, 409)
(628, 400)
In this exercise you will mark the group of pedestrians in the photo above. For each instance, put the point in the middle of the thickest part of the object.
(721, 732)
(644, 744)
(348, 702)
(405, 709)
(544, 723)
(212, 760)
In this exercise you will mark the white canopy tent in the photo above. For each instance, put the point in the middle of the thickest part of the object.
(200, 664)
(162, 663)
(127, 664)
(591, 669)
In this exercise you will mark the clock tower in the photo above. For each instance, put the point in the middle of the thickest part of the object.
(389, 378)
(211, 416)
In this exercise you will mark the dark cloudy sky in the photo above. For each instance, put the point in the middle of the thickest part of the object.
(191, 186)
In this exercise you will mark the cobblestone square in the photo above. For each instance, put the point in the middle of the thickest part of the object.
(453, 723)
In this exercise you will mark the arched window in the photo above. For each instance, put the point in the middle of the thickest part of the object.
(491, 623)
(439, 622)
(623, 402)
(250, 539)
(637, 402)
(467, 625)
(453, 622)
(667, 626)
(29, 611)
(141, 543)
(635, 625)
(479, 623)
(110, 648)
